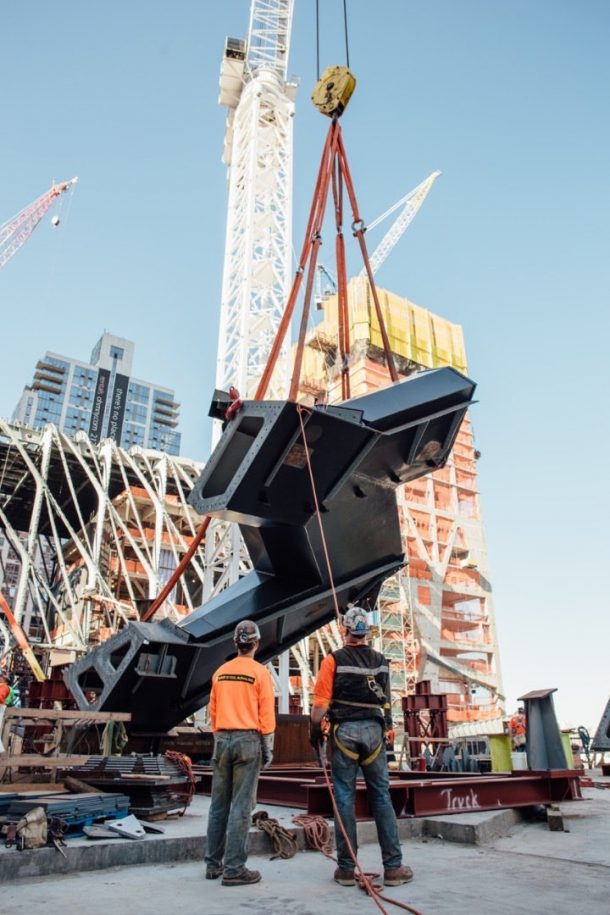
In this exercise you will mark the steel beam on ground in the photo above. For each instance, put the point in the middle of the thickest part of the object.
(437, 794)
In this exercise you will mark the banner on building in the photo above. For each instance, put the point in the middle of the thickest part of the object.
(99, 405)
(117, 407)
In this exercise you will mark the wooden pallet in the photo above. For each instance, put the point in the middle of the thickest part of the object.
(60, 720)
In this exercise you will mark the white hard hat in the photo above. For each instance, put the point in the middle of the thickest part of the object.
(356, 621)
(246, 633)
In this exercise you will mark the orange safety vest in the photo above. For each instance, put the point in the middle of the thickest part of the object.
(517, 725)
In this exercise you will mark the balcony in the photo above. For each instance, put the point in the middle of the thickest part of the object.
(459, 641)
(461, 621)
(162, 420)
(49, 367)
(47, 386)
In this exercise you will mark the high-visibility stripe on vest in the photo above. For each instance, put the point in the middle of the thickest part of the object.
(361, 685)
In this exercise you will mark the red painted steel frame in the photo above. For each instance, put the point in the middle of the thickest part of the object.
(441, 794)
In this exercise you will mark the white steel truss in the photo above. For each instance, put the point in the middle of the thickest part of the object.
(116, 524)
(269, 36)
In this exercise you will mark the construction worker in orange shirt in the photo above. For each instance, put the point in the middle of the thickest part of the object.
(5, 690)
(353, 691)
(242, 716)
(6, 693)
(516, 727)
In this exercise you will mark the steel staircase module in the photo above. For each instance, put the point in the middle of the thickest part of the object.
(259, 477)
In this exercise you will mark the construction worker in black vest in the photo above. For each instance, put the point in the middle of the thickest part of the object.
(353, 691)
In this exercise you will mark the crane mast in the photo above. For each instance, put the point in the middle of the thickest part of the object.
(258, 152)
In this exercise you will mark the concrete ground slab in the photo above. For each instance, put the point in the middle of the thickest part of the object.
(184, 840)
(530, 871)
(450, 879)
(586, 839)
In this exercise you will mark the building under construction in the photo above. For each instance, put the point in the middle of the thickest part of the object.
(436, 617)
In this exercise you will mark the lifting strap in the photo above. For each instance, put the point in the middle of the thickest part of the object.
(333, 172)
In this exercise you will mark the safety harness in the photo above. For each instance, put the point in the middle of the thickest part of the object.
(360, 676)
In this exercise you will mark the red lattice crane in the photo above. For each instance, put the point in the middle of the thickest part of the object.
(15, 232)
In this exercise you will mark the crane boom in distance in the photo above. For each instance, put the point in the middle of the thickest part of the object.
(16, 231)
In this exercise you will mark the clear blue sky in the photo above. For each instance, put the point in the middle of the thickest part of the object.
(508, 98)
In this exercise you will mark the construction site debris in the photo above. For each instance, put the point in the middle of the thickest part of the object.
(128, 827)
(554, 818)
(32, 829)
(155, 785)
(75, 810)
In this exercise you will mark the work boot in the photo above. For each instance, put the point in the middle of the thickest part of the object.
(213, 872)
(243, 879)
(396, 876)
(344, 877)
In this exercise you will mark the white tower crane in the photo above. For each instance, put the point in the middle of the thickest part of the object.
(258, 153)
(258, 246)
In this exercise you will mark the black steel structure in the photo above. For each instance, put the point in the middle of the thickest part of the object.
(259, 477)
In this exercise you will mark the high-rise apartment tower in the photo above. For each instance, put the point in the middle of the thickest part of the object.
(101, 398)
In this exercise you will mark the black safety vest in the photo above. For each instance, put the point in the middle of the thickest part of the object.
(362, 685)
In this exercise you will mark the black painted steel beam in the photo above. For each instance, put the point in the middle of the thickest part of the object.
(258, 477)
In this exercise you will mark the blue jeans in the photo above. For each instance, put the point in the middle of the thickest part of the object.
(236, 765)
(363, 737)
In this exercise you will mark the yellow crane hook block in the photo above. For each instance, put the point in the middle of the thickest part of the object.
(333, 91)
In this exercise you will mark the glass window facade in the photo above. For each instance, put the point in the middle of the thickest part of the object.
(143, 415)
(132, 435)
(138, 393)
(163, 439)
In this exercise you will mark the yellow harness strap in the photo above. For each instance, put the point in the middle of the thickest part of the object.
(350, 753)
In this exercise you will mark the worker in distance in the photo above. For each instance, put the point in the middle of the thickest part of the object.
(352, 693)
(7, 698)
(242, 716)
